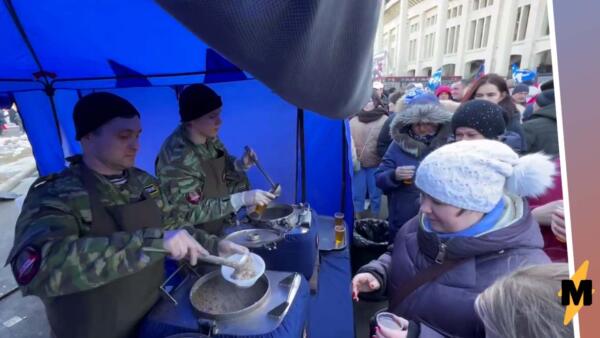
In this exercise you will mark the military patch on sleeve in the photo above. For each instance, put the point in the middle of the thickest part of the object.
(194, 197)
(26, 265)
(152, 190)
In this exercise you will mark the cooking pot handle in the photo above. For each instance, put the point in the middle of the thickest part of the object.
(270, 246)
(163, 286)
(207, 326)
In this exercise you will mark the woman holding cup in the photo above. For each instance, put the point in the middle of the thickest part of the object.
(473, 228)
(505, 308)
(419, 128)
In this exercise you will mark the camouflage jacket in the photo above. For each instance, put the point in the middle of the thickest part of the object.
(56, 217)
(180, 172)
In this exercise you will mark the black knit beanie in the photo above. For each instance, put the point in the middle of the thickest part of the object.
(196, 101)
(520, 88)
(485, 117)
(547, 85)
(545, 98)
(94, 110)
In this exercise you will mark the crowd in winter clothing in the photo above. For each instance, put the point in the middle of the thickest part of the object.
(473, 192)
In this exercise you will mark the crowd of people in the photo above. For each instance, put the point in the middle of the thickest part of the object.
(9, 115)
(471, 173)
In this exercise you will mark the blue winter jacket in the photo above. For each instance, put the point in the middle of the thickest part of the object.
(447, 303)
(403, 198)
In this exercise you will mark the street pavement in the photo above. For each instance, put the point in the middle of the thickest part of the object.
(20, 317)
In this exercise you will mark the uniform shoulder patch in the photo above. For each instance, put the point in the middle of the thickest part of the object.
(152, 190)
(45, 179)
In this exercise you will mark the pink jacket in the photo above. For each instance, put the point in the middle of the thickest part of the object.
(555, 249)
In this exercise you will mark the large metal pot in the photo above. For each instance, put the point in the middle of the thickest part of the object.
(215, 298)
(277, 216)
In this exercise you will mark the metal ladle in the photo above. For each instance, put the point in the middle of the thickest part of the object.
(275, 187)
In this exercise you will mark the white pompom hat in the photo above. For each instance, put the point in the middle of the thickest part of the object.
(474, 175)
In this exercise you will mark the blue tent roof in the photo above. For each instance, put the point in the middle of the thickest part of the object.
(78, 39)
(292, 46)
(56, 51)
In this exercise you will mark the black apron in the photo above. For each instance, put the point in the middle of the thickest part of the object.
(114, 309)
(215, 186)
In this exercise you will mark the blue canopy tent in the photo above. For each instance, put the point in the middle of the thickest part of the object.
(57, 51)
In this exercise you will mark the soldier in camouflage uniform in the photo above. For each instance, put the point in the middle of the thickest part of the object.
(80, 238)
(200, 179)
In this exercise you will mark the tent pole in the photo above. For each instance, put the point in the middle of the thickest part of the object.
(142, 76)
(49, 90)
(47, 86)
(17, 22)
(16, 80)
(300, 146)
(344, 166)
(296, 159)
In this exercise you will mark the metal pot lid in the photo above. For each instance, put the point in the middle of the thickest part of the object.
(188, 335)
(277, 211)
(253, 238)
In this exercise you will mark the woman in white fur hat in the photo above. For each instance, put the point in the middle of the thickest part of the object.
(473, 227)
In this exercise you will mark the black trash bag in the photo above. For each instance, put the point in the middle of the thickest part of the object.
(371, 232)
(369, 241)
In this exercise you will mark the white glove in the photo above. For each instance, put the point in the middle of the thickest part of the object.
(251, 198)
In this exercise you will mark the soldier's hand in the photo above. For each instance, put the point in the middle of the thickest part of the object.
(181, 244)
(251, 198)
(227, 248)
(257, 197)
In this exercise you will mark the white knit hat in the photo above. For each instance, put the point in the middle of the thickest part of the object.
(474, 175)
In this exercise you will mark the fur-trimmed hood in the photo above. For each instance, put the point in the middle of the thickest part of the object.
(425, 113)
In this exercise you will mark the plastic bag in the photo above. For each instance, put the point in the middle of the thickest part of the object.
(369, 241)
(370, 232)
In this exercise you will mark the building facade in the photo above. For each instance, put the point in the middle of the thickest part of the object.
(418, 37)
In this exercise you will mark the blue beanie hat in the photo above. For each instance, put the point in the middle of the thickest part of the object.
(422, 98)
